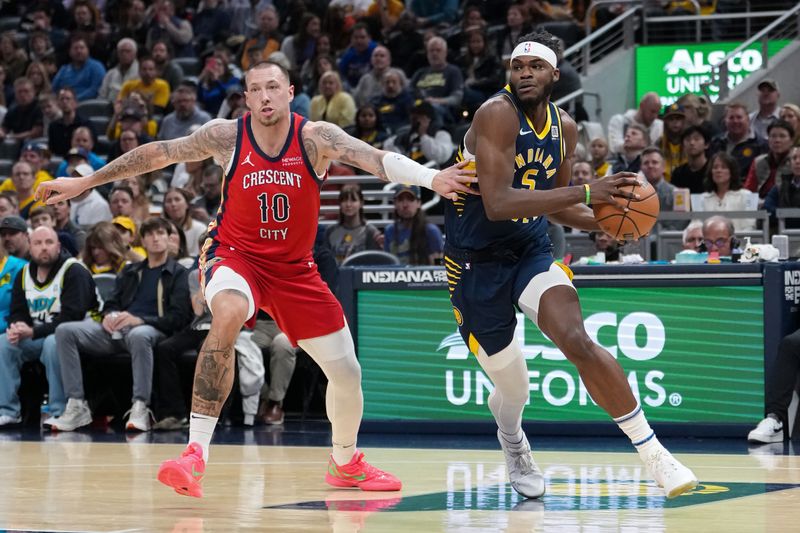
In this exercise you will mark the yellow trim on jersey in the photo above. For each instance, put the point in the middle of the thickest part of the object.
(547, 124)
(560, 132)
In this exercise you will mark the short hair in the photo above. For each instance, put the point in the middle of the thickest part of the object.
(70, 89)
(265, 64)
(129, 42)
(716, 219)
(698, 130)
(545, 38)
(121, 188)
(11, 196)
(154, 224)
(652, 150)
(22, 80)
(75, 37)
(693, 225)
(737, 104)
(43, 210)
(642, 129)
(781, 124)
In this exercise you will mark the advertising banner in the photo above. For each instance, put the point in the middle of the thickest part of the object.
(691, 354)
(674, 70)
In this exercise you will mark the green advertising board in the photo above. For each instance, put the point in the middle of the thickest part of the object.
(674, 70)
(691, 354)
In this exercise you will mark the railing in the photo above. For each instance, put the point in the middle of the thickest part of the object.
(597, 44)
(786, 26)
(579, 94)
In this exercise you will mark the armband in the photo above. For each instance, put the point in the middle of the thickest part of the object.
(400, 169)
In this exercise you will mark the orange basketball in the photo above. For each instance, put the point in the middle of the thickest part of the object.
(637, 221)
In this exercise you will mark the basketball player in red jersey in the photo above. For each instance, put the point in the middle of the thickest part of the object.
(259, 256)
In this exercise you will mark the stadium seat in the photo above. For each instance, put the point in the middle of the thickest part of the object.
(96, 107)
(5, 168)
(9, 23)
(190, 65)
(100, 123)
(371, 257)
(9, 149)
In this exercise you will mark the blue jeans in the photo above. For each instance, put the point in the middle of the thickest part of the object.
(11, 358)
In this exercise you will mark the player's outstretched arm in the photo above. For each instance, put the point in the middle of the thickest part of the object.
(216, 139)
(326, 142)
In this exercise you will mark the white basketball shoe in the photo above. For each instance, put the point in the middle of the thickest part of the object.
(524, 475)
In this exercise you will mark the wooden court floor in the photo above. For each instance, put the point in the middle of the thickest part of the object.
(68, 484)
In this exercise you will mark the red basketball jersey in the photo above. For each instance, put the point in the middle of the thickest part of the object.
(270, 205)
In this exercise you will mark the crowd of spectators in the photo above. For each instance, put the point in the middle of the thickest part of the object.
(84, 82)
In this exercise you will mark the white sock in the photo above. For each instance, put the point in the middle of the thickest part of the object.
(201, 428)
(343, 454)
(635, 426)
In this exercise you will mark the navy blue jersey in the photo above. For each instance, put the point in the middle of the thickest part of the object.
(538, 158)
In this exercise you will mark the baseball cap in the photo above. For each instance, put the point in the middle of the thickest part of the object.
(35, 146)
(674, 110)
(769, 82)
(130, 112)
(13, 223)
(125, 222)
(407, 189)
(79, 152)
(81, 170)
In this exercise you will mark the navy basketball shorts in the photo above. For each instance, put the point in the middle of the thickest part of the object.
(484, 295)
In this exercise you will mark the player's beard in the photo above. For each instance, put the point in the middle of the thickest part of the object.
(532, 102)
(271, 121)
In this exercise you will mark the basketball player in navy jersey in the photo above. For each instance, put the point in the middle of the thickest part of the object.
(258, 256)
(498, 258)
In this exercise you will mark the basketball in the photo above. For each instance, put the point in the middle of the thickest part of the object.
(637, 221)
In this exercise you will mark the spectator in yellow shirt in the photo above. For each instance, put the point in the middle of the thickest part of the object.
(36, 155)
(154, 90)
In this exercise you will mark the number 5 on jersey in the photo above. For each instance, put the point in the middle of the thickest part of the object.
(279, 207)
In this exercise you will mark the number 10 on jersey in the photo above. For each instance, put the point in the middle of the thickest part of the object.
(279, 206)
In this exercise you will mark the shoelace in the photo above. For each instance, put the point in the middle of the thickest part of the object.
(523, 462)
(370, 471)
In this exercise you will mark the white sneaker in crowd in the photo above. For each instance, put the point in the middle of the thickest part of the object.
(767, 431)
(140, 417)
(76, 415)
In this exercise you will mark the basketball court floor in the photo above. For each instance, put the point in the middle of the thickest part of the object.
(271, 479)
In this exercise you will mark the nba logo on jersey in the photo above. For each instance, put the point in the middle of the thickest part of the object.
(554, 132)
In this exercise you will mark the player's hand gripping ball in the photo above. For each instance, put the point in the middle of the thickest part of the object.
(637, 221)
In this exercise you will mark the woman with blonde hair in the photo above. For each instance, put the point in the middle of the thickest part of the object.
(37, 73)
(332, 104)
(791, 113)
(104, 251)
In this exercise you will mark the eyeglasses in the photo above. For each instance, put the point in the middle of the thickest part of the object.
(719, 243)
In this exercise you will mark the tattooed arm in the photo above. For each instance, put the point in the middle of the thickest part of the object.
(325, 142)
(216, 139)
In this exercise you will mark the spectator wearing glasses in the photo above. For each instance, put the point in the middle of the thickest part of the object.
(719, 235)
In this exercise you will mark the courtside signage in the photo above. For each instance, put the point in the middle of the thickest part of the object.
(690, 354)
(674, 70)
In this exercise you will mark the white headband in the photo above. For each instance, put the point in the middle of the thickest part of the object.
(529, 48)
